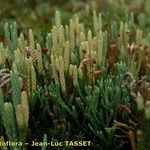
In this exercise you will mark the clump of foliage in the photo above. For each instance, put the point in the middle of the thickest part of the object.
(88, 79)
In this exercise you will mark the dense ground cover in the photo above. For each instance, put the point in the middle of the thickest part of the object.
(80, 73)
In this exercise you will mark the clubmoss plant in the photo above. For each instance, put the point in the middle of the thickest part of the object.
(11, 35)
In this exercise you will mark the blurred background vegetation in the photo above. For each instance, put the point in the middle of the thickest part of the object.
(39, 14)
